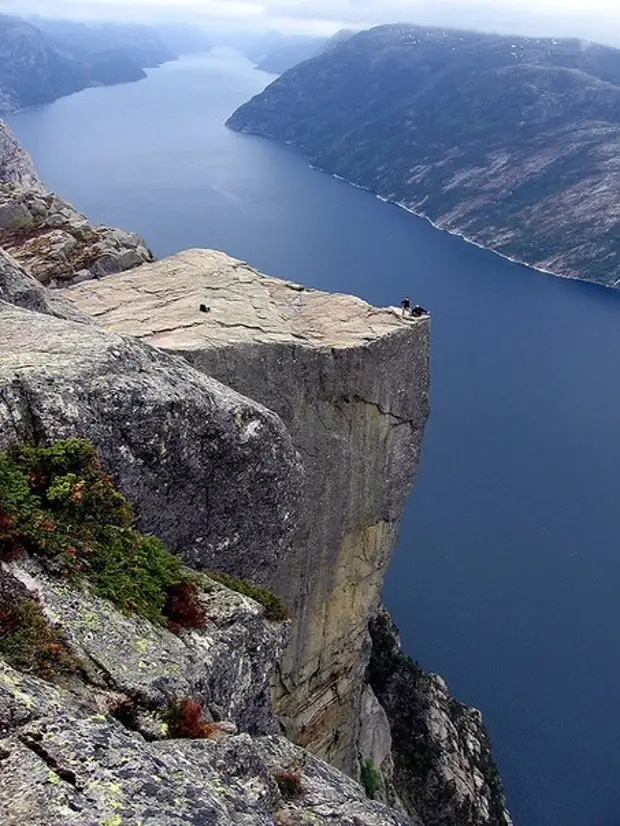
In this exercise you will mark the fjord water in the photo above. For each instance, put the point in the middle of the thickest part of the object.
(506, 579)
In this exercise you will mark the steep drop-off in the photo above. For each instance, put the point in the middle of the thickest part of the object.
(351, 384)
(513, 142)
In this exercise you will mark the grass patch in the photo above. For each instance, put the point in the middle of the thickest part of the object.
(58, 505)
(372, 779)
(29, 644)
(274, 607)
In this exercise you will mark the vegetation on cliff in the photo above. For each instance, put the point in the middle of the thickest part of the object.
(274, 607)
(503, 139)
(58, 505)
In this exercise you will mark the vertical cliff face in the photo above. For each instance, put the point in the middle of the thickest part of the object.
(439, 763)
(350, 382)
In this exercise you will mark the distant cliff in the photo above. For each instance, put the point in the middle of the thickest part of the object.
(40, 63)
(512, 142)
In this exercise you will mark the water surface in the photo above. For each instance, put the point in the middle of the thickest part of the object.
(507, 576)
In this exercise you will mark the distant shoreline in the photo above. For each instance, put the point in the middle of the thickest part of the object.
(461, 235)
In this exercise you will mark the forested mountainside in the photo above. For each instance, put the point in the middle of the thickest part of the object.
(512, 142)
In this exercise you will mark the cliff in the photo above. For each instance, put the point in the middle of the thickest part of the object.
(45, 234)
(133, 690)
(351, 384)
(16, 165)
(439, 764)
(512, 142)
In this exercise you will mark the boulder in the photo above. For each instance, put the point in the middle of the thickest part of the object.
(210, 472)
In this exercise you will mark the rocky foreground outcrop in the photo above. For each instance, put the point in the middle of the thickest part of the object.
(57, 244)
(350, 382)
(206, 469)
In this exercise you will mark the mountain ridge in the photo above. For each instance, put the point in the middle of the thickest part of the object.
(511, 142)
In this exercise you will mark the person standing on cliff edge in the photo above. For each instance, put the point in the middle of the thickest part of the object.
(405, 305)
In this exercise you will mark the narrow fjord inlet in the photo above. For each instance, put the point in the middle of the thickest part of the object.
(506, 576)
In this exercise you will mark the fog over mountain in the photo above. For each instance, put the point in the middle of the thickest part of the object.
(594, 20)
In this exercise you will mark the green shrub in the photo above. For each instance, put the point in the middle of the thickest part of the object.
(58, 505)
(22, 222)
(274, 607)
(29, 644)
(372, 779)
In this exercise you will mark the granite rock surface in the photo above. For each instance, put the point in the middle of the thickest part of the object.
(351, 384)
(205, 469)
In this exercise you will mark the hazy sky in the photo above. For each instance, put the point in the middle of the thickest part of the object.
(594, 19)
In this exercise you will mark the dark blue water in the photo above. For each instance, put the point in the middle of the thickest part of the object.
(507, 576)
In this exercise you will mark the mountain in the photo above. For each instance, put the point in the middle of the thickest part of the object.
(141, 44)
(287, 52)
(31, 72)
(512, 142)
(40, 63)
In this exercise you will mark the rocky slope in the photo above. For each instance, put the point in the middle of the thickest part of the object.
(512, 142)
(439, 765)
(47, 235)
(350, 382)
(16, 165)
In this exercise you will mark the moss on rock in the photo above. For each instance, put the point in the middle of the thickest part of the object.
(274, 607)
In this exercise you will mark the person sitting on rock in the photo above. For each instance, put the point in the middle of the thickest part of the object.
(418, 311)
(405, 304)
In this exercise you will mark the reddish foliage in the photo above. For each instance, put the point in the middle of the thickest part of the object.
(10, 545)
(289, 783)
(185, 721)
(182, 607)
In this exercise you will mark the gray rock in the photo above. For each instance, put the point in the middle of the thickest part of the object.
(205, 468)
(106, 264)
(227, 666)
(14, 215)
(55, 243)
(15, 163)
(324, 791)
(23, 290)
(444, 772)
(350, 382)
(62, 763)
